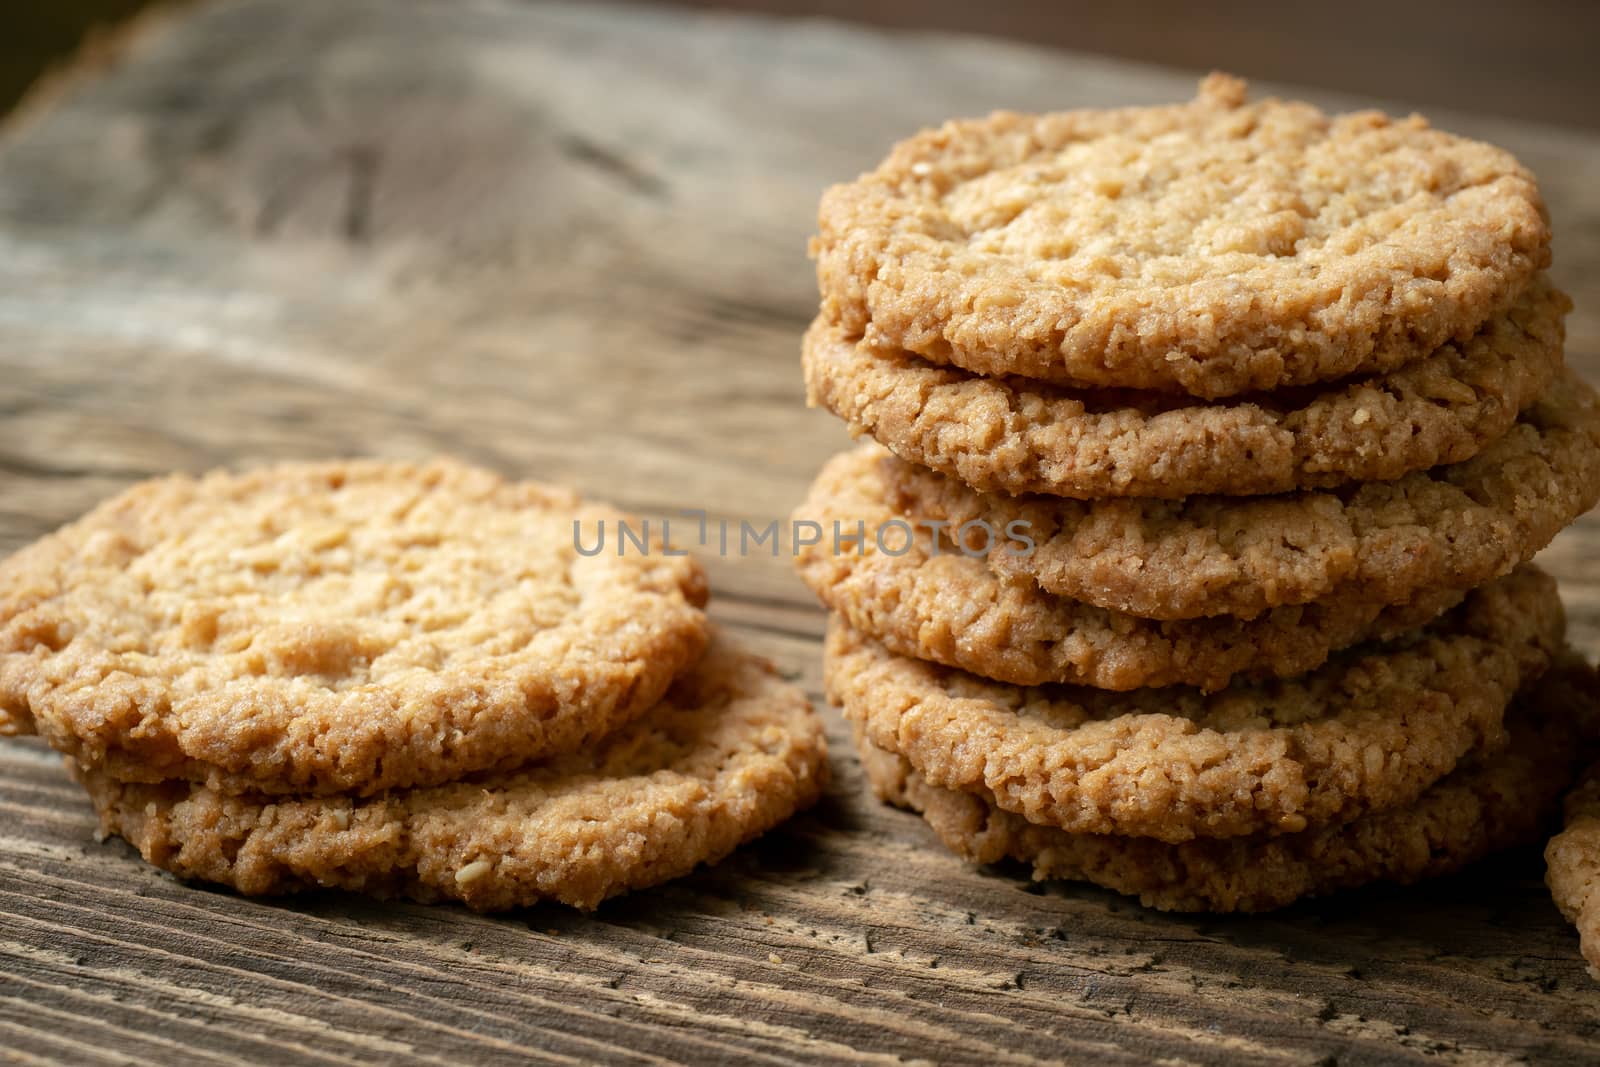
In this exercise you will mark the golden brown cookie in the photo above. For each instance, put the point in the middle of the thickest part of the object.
(923, 598)
(1572, 860)
(1217, 247)
(1487, 804)
(1010, 435)
(344, 626)
(731, 752)
(1451, 527)
(1370, 730)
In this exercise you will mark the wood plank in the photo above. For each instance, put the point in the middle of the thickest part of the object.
(568, 242)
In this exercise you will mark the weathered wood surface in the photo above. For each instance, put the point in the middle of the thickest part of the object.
(567, 242)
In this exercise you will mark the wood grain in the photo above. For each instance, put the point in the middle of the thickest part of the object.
(568, 243)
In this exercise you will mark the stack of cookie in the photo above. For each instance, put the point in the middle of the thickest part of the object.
(399, 680)
(1212, 442)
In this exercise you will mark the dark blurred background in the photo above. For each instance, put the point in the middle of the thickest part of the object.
(1532, 59)
(45, 35)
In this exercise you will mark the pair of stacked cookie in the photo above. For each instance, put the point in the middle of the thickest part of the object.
(397, 679)
(1213, 441)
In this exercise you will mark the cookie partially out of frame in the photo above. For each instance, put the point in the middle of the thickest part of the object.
(923, 598)
(1011, 435)
(1450, 527)
(1572, 861)
(1488, 804)
(1215, 247)
(731, 752)
(348, 626)
(1370, 730)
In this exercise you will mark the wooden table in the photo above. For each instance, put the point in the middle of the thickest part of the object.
(568, 242)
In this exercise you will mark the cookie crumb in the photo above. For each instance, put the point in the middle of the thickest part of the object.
(473, 871)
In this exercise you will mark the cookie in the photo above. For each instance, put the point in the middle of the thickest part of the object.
(1572, 861)
(1451, 527)
(1009, 435)
(1370, 730)
(1486, 805)
(327, 627)
(923, 598)
(732, 751)
(1215, 247)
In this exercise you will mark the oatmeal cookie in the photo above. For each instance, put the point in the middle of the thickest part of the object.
(1009, 435)
(1451, 527)
(1370, 730)
(1572, 861)
(921, 597)
(1488, 804)
(731, 752)
(1216, 247)
(348, 626)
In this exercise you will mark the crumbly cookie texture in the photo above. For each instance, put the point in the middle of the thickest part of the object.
(732, 751)
(1488, 804)
(1572, 860)
(1451, 527)
(1012, 436)
(923, 598)
(1370, 730)
(1216, 247)
(328, 627)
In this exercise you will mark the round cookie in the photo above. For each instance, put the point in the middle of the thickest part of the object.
(1572, 861)
(731, 752)
(1370, 730)
(1486, 805)
(1008, 435)
(1215, 247)
(1451, 527)
(933, 602)
(348, 626)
